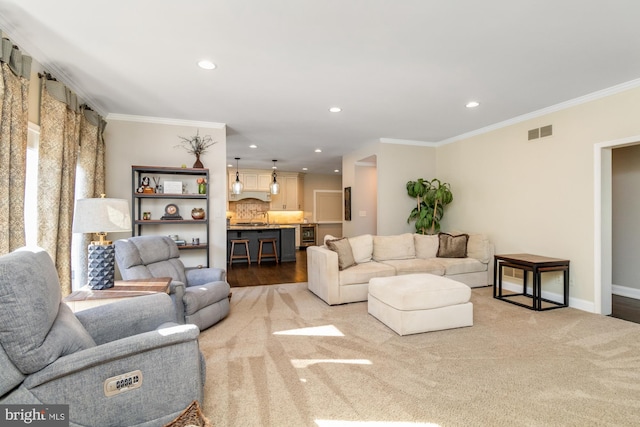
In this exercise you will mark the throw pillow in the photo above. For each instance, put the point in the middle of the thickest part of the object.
(399, 246)
(426, 245)
(345, 254)
(362, 247)
(452, 246)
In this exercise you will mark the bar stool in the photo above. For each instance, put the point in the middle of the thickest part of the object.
(267, 255)
(245, 255)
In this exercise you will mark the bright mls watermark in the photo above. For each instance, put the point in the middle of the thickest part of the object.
(34, 415)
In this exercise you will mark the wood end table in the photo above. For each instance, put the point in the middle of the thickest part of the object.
(536, 264)
(86, 297)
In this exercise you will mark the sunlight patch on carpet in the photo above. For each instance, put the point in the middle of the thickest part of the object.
(315, 331)
(304, 363)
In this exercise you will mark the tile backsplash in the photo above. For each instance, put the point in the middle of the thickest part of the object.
(246, 210)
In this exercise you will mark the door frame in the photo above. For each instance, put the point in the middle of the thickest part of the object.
(603, 232)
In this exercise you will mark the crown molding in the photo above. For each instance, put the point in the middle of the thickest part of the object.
(548, 110)
(408, 142)
(165, 121)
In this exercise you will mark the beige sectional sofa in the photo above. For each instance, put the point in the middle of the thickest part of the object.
(383, 256)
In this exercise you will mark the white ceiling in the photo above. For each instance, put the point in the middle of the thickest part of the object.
(400, 70)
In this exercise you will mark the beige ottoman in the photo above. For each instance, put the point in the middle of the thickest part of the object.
(415, 303)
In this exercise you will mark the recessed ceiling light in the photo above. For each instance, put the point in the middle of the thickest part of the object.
(253, 146)
(472, 104)
(206, 64)
(336, 170)
(305, 169)
(335, 109)
(318, 150)
(229, 165)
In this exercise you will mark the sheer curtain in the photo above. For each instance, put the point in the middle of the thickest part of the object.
(71, 165)
(14, 92)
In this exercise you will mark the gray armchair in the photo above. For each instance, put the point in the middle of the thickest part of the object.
(49, 355)
(200, 295)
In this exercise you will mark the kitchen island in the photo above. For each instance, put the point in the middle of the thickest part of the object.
(284, 235)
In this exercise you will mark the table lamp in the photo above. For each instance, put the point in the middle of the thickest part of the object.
(101, 216)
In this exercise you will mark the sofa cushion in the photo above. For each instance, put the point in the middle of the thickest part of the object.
(453, 266)
(393, 247)
(426, 245)
(345, 254)
(452, 246)
(362, 247)
(478, 247)
(364, 272)
(328, 237)
(419, 292)
(416, 265)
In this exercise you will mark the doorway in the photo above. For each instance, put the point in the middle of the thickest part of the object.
(603, 221)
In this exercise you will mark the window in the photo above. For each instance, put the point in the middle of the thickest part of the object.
(31, 186)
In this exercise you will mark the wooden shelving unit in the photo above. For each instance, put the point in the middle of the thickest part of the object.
(139, 200)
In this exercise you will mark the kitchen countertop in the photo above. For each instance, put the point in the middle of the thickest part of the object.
(260, 227)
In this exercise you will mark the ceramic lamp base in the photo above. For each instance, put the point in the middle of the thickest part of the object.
(102, 260)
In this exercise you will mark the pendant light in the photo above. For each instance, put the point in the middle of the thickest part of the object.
(274, 187)
(236, 187)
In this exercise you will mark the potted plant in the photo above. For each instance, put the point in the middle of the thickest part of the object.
(196, 145)
(431, 196)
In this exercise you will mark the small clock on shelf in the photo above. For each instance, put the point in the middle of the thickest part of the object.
(171, 211)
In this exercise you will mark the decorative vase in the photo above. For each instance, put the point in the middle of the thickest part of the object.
(197, 213)
(198, 164)
(202, 188)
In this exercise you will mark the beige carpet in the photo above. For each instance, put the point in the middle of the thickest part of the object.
(285, 358)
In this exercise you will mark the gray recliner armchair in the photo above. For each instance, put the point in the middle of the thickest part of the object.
(122, 364)
(201, 295)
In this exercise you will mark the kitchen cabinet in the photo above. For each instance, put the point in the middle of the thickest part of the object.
(251, 181)
(297, 238)
(291, 193)
(287, 244)
(169, 213)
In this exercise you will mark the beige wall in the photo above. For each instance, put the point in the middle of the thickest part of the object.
(152, 143)
(314, 182)
(395, 165)
(538, 196)
(626, 226)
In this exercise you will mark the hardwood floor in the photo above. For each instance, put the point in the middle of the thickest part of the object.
(268, 272)
(625, 308)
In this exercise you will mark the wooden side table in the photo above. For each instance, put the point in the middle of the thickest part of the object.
(537, 265)
(86, 297)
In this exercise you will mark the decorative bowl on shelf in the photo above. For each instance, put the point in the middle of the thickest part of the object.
(197, 213)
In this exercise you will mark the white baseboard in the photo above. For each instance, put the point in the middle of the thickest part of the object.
(580, 304)
(625, 291)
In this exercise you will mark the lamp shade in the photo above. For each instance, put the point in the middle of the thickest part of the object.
(101, 215)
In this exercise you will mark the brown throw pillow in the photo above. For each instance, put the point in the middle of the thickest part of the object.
(345, 254)
(452, 246)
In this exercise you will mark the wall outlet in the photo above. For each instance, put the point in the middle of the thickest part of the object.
(363, 213)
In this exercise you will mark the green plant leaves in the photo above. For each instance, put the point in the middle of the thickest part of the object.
(432, 196)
